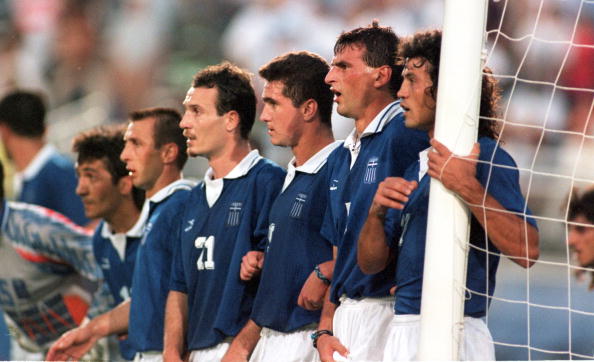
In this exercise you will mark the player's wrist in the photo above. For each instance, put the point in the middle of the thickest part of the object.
(315, 336)
(321, 275)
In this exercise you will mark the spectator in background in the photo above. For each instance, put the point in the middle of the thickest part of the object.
(44, 177)
(580, 229)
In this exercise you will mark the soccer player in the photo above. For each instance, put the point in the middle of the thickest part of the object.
(226, 216)
(581, 229)
(297, 111)
(49, 280)
(364, 81)
(155, 153)
(44, 177)
(107, 193)
(490, 189)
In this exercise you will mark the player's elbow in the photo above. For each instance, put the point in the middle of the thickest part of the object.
(372, 263)
(531, 252)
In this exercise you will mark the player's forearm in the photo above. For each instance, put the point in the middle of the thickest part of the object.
(176, 312)
(113, 322)
(509, 232)
(244, 343)
(373, 252)
(327, 315)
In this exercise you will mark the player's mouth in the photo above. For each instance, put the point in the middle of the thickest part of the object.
(131, 171)
(337, 94)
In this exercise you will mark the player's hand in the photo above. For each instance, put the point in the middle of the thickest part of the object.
(393, 193)
(328, 345)
(251, 265)
(72, 345)
(314, 289)
(454, 172)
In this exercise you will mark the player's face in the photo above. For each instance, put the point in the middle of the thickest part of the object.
(99, 195)
(204, 129)
(283, 119)
(581, 240)
(418, 105)
(350, 80)
(143, 160)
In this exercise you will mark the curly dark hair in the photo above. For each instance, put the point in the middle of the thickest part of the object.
(582, 205)
(106, 143)
(235, 92)
(380, 44)
(426, 45)
(302, 74)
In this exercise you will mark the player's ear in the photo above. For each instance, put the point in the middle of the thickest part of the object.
(232, 121)
(309, 108)
(169, 152)
(382, 76)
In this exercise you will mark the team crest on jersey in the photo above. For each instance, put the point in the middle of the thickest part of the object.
(234, 212)
(298, 205)
(370, 171)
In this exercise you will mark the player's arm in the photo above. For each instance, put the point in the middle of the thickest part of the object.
(510, 233)
(315, 287)
(244, 343)
(176, 324)
(373, 250)
(78, 341)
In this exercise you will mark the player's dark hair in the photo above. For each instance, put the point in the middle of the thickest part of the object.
(106, 143)
(24, 113)
(426, 45)
(166, 130)
(380, 44)
(582, 205)
(234, 92)
(302, 74)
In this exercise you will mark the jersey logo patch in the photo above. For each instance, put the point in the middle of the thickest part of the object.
(370, 171)
(105, 264)
(234, 212)
(270, 233)
(298, 206)
(190, 225)
(334, 185)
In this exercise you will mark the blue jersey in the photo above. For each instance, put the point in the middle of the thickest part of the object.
(49, 274)
(50, 181)
(295, 246)
(501, 182)
(116, 255)
(213, 241)
(153, 266)
(387, 148)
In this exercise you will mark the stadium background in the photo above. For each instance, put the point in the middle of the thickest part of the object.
(98, 59)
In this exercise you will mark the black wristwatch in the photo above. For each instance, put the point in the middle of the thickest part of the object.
(315, 335)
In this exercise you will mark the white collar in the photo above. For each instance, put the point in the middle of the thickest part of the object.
(312, 165)
(377, 124)
(423, 162)
(181, 184)
(40, 159)
(214, 187)
(118, 240)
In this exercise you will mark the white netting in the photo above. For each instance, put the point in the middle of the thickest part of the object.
(542, 53)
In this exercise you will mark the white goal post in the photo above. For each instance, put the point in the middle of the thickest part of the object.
(448, 227)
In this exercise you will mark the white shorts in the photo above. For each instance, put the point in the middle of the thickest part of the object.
(276, 346)
(405, 331)
(214, 353)
(361, 326)
(148, 356)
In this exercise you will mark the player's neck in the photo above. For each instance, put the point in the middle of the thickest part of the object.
(23, 151)
(225, 161)
(311, 143)
(169, 175)
(124, 218)
(375, 106)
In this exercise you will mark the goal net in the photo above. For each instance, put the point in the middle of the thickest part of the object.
(542, 54)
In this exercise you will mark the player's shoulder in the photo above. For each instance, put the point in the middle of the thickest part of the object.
(268, 169)
(491, 151)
